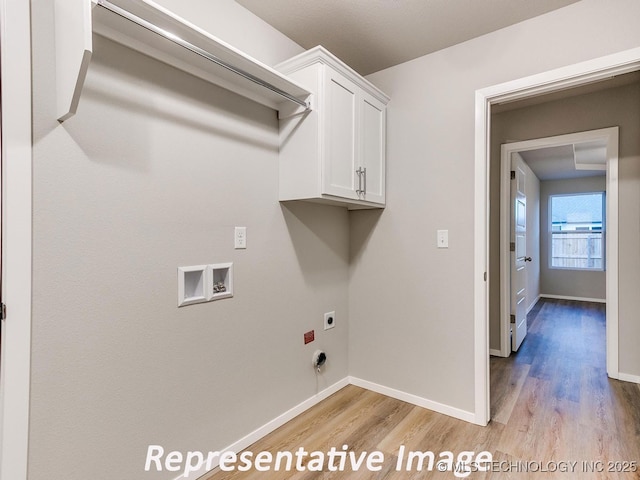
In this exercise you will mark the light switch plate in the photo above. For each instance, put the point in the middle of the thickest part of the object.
(443, 238)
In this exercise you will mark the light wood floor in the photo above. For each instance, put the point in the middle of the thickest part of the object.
(550, 402)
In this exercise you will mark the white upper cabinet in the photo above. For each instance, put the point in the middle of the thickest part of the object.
(334, 153)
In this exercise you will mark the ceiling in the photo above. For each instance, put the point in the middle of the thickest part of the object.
(588, 159)
(371, 35)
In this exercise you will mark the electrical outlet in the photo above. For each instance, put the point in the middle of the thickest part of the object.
(240, 238)
(329, 320)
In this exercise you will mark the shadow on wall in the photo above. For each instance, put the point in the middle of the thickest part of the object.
(122, 80)
(362, 224)
(320, 237)
(296, 121)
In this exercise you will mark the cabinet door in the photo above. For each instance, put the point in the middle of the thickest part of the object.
(372, 150)
(341, 148)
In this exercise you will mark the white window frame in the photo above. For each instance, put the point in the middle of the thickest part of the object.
(602, 231)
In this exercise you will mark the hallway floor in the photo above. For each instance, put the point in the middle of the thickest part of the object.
(554, 398)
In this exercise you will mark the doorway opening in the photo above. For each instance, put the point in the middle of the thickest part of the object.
(552, 81)
(554, 161)
(562, 290)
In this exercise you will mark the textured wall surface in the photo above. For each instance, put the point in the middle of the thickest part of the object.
(424, 317)
(153, 173)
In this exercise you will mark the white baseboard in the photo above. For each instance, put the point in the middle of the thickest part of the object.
(626, 377)
(495, 352)
(269, 427)
(277, 422)
(577, 299)
(415, 400)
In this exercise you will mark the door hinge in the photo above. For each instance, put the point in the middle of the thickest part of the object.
(513, 174)
(485, 276)
(3, 311)
(512, 246)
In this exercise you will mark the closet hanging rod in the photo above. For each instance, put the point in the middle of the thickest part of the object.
(198, 51)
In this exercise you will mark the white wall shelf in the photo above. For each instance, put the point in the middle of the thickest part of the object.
(77, 20)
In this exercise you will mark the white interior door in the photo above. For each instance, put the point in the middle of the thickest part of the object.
(518, 252)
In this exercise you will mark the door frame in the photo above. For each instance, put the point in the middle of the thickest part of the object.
(553, 80)
(15, 67)
(610, 136)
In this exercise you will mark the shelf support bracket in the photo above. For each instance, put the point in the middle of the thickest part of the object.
(74, 48)
(288, 110)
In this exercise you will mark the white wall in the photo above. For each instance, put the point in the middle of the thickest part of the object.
(568, 283)
(153, 173)
(156, 170)
(411, 304)
(231, 22)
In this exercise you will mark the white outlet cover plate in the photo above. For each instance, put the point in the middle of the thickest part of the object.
(240, 238)
(327, 324)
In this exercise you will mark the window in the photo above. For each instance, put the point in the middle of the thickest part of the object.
(577, 231)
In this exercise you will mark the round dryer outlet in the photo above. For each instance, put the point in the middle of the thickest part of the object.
(319, 359)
